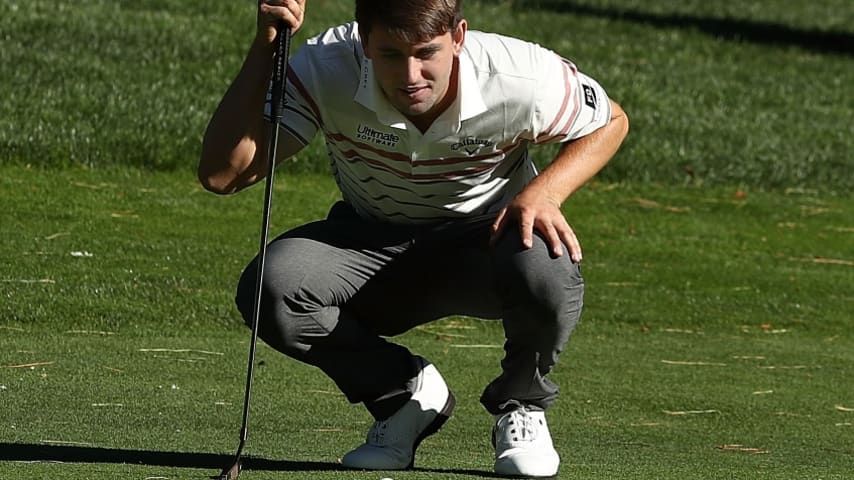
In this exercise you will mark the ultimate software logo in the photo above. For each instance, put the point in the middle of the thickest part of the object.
(377, 137)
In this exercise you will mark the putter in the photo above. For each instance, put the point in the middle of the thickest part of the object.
(280, 66)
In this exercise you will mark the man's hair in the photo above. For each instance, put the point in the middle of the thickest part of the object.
(410, 20)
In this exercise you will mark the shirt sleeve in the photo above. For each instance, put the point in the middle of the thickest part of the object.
(318, 80)
(300, 116)
(569, 104)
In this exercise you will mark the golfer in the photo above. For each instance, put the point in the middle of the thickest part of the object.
(428, 126)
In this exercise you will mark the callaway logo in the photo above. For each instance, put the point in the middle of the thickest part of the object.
(367, 133)
(471, 145)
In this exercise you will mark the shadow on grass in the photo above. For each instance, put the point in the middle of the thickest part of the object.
(444, 473)
(23, 452)
(819, 41)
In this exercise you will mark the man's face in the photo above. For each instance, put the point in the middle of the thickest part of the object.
(415, 77)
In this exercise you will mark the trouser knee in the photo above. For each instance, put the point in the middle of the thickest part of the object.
(276, 326)
(551, 288)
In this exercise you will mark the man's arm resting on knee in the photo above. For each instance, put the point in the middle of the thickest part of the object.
(537, 207)
(579, 160)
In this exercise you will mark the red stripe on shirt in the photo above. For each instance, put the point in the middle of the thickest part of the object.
(475, 158)
(566, 127)
(295, 81)
(565, 99)
(576, 103)
(466, 172)
(399, 157)
(394, 156)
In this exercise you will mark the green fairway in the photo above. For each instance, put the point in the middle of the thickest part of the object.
(717, 92)
(716, 340)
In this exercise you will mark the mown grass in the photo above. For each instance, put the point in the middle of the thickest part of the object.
(161, 238)
(715, 342)
(718, 93)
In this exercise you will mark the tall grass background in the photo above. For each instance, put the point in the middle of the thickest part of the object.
(746, 93)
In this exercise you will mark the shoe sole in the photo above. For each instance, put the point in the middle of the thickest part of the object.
(434, 426)
(516, 474)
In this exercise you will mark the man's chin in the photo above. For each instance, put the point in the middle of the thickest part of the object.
(413, 110)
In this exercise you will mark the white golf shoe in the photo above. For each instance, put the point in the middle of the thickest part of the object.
(523, 445)
(391, 443)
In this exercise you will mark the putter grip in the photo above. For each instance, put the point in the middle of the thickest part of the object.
(280, 69)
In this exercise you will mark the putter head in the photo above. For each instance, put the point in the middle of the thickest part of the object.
(230, 473)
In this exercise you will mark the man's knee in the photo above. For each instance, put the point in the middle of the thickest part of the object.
(555, 284)
(543, 297)
(285, 309)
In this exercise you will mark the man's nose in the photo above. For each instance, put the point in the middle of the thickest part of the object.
(413, 70)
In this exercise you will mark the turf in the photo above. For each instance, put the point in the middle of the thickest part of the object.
(715, 340)
(718, 93)
(719, 252)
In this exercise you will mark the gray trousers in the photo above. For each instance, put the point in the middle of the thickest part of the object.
(334, 291)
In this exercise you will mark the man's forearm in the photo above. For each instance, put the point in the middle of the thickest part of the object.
(578, 161)
(237, 127)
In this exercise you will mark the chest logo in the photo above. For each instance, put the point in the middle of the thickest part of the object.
(384, 139)
(471, 145)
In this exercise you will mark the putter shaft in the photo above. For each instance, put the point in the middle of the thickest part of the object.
(283, 42)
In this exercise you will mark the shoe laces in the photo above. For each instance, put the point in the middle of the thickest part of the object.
(377, 433)
(518, 426)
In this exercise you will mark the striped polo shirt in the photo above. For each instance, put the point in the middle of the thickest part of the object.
(474, 157)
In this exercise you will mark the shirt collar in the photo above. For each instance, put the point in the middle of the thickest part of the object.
(468, 104)
(469, 96)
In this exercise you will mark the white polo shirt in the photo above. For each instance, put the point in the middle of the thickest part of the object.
(474, 157)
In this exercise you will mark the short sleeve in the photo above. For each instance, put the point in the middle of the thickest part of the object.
(569, 104)
(300, 116)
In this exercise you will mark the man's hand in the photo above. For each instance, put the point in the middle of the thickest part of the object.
(538, 205)
(533, 211)
(271, 12)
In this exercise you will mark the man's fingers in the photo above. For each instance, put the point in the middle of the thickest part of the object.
(553, 239)
(498, 226)
(557, 234)
(526, 228)
(291, 12)
(281, 13)
(571, 240)
(526, 231)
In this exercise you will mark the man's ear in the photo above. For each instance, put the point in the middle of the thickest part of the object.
(459, 36)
